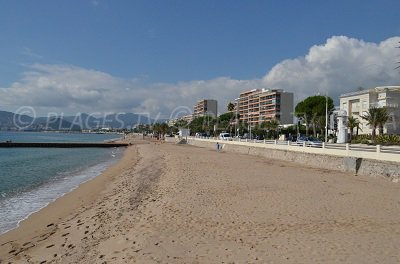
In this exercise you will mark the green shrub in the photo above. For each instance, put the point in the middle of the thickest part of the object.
(387, 140)
(379, 139)
(361, 139)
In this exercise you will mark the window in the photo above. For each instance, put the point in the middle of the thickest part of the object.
(364, 104)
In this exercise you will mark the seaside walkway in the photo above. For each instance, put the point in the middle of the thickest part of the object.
(61, 145)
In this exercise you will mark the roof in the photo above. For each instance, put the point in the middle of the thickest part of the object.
(372, 90)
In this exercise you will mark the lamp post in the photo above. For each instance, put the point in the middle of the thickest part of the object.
(236, 116)
(326, 118)
(249, 123)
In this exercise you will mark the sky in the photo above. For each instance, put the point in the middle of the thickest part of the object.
(160, 57)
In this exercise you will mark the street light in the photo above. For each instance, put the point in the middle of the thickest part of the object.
(236, 116)
(326, 118)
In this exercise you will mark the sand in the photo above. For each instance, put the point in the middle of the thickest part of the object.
(167, 203)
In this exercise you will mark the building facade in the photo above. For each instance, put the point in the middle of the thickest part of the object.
(356, 104)
(187, 118)
(205, 107)
(259, 105)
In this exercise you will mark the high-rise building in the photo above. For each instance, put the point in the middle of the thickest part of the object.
(357, 104)
(259, 105)
(205, 107)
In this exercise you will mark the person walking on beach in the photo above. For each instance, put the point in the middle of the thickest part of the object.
(218, 147)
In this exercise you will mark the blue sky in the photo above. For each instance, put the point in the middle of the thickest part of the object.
(174, 42)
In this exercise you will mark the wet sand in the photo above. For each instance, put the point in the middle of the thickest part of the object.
(166, 203)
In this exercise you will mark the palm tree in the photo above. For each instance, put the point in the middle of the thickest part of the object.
(357, 127)
(383, 118)
(271, 125)
(230, 107)
(376, 117)
(351, 124)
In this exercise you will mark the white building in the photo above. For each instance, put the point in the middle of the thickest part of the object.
(187, 118)
(356, 104)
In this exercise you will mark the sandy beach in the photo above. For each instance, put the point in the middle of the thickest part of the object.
(167, 203)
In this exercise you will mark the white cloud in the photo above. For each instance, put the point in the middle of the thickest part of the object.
(340, 65)
(71, 89)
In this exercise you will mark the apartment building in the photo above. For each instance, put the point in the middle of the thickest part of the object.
(205, 107)
(356, 104)
(259, 105)
(187, 118)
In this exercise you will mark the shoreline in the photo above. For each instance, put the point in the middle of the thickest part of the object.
(98, 168)
(49, 192)
(78, 198)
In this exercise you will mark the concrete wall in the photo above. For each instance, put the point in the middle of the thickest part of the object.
(356, 165)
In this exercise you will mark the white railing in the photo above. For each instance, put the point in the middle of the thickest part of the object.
(389, 153)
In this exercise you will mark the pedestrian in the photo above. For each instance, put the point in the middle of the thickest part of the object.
(218, 147)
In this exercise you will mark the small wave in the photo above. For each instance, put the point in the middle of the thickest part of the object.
(17, 208)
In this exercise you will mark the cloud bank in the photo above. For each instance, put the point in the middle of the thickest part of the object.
(338, 66)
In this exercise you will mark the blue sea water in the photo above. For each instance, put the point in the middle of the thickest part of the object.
(31, 178)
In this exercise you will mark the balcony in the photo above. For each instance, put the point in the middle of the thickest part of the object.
(384, 104)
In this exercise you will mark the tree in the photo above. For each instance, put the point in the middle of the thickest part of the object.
(181, 123)
(202, 124)
(227, 121)
(271, 125)
(230, 107)
(311, 109)
(164, 128)
(319, 122)
(376, 117)
(351, 124)
(160, 129)
(383, 117)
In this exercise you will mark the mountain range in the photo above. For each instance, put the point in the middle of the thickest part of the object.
(82, 121)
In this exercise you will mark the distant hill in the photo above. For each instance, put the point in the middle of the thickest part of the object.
(9, 120)
(55, 123)
(118, 121)
(125, 120)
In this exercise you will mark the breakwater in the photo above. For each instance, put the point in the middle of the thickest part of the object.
(61, 145)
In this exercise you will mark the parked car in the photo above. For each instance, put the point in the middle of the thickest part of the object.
(248, 136)
(310, 141)
(225, 136)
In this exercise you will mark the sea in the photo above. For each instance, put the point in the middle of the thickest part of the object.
(31, 178)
